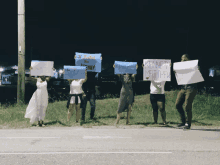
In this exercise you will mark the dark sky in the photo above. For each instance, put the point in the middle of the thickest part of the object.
(119, 29)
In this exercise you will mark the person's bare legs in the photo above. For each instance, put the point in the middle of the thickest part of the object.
(118, 118)
(78, 112)
(161, 107)
(128, 114)
(70, 111)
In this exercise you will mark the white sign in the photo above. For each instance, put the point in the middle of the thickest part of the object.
(156, 69)
(42, 68)
(187, 72)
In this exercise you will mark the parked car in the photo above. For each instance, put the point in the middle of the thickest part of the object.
(58, 89)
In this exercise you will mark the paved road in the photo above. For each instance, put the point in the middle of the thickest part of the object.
(109, 145)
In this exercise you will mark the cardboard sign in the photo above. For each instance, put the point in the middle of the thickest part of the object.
(156, 69)
(187, 72)
(92, 61)
(74, 72)
(122, 67)
(42, 68)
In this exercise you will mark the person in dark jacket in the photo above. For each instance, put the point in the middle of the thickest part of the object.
(89, 94)
(187, 95)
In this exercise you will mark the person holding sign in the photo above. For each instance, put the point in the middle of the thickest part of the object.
(93, 62)
(187, 95)
(157, 98)
(38, 103)
(89, 95)
(126, 96)
(75, 97)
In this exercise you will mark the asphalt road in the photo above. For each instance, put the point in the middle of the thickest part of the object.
(109, 145)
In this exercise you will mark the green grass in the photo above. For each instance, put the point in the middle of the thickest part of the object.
(206, 112)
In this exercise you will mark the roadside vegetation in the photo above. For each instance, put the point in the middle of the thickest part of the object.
(206, 112)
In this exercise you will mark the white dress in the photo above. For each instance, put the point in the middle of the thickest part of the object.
(76, 88)
(38, 104)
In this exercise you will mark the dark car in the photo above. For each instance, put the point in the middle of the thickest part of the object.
(58, 89)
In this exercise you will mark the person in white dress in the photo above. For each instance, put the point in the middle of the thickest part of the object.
(37, 106)
(157, 98)
(75, 97)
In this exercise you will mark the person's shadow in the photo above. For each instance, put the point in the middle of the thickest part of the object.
(54, 122)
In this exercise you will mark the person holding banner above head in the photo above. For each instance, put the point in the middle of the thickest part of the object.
(75, 77)
(126, 96)
(89, 95)
(158, 72)
(187, 75)
(93, 63)
(38, 103)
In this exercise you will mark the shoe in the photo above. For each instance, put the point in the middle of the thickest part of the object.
(154, 122)
(181, 125)
(186, 127)
(165, 123)
(82, 122)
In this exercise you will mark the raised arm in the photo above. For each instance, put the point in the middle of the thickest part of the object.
(70, 81)
(133, 77)
(85, 76)
(48, 78)
(117, 74)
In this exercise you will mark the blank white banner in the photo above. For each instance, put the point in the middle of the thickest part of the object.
(187, 72)
(42, 68)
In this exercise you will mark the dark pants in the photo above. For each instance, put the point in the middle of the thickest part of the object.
(91, 98)
(158, 102)
(187, 96)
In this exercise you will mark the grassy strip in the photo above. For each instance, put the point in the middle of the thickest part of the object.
(205, 112)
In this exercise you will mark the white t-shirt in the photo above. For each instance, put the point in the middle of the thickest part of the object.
(76, 86)
(159, 89)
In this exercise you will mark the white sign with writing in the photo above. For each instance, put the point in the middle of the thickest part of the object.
(187, 72)
(42, 68)
(156, 69)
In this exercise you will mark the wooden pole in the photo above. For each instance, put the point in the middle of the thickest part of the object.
(21, 52)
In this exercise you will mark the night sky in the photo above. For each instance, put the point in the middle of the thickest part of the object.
(119, 29)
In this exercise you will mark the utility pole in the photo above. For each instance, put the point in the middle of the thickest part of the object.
(21, 52)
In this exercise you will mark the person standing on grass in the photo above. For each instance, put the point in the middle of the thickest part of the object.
(75, 97)
(89, 95)
(157, 98)
(187, 95)
(38, 103)
(126, 96)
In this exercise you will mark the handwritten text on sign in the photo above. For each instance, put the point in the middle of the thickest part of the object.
(92, 61)
(156, 69)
